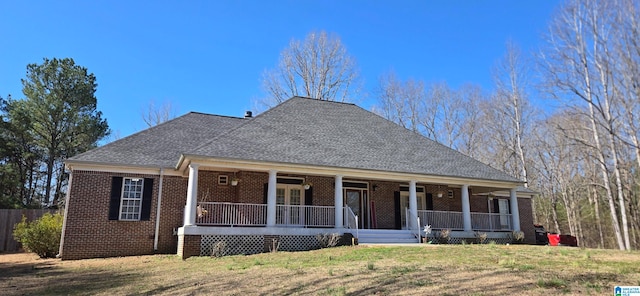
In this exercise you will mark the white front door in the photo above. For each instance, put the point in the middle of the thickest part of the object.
(289, 201)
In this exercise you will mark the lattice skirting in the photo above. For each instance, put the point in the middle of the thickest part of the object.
(226, 245)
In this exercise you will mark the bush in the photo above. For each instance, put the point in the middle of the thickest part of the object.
(41, 236)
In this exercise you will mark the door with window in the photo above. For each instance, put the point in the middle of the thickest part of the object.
(356, 200)
(404, 204)
(289, 202)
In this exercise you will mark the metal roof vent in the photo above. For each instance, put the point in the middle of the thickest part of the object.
(248, 114)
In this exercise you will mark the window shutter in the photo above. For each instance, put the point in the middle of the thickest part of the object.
(147, 193)
(396, 208)
(114, 202)
(266, 192)
(509, 206)
(429, 202)
(496, 206)
(308, 196)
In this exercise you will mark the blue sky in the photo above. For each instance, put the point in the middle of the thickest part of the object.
(208, 56)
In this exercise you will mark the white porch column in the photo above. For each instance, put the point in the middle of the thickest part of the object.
(413, 205)
(466, 208)
(271, 198)
(515, 213)
(192, 196)
(339, 203)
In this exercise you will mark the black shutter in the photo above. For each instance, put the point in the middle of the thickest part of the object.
(496, 206)
(266, 192)
(509, 206)
(308, 196)
(147, 193)
(114, 202)
(429, 202)
(396, 207)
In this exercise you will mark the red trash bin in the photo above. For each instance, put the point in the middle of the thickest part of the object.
(554, 239)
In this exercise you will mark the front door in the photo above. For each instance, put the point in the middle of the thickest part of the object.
(356, 200)
(289, 201)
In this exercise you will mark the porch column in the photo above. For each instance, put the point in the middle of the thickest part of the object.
(192, 196)
(413, 205)
(271, 198)
(515, 213)
(466, 208)
(339, 203)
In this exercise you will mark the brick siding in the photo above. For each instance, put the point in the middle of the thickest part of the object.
(89, 233)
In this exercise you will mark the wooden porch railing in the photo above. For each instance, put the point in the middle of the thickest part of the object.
(454, 220)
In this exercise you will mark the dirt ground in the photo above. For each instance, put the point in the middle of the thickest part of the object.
(341, 271)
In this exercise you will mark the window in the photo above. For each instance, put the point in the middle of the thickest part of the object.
(223, 180)
(131, 200)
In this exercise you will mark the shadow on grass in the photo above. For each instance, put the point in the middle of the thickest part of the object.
(46, 277)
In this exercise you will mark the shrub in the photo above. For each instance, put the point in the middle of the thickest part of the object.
(517, 237)
(41, 236)
(444, 236)
(481, 237)
(328, 240)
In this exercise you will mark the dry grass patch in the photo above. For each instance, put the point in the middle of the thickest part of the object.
(427, 269)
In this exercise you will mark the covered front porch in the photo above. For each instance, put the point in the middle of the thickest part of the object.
(294, 202)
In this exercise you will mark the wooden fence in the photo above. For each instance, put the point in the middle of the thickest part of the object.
(11, 217)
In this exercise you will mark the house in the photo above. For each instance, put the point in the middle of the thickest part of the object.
(202, 183)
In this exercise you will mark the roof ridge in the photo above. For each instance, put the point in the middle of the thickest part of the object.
(247, 122)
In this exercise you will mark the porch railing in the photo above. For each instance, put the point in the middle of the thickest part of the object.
(491, 221)
(245, 214)
(454, 220)
(231, 214)
(305, 216)
(415, 229)
(350, 220)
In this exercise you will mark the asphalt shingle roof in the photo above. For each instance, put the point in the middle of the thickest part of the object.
(162, 145)
(313, 132)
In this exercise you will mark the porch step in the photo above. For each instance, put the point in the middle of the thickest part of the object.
(385, 236)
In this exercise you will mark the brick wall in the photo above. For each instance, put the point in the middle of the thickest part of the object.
(89, 233)
(526, 220)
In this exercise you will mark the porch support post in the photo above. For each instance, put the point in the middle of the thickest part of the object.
(466, 208)
(413, 204)
(515, 213)
(338, 203)
(192, 196)
(271, 198)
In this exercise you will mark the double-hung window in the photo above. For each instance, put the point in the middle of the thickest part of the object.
(131, 199)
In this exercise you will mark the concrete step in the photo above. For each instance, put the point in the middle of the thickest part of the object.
(384, 236)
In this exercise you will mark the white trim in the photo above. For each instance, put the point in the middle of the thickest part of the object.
(158, 208)
(209, 230)
(122, 198)
(66, 213)
(285, 168)
(120, 169)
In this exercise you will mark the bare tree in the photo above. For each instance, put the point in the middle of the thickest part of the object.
(317, 67)
(578, 65)
(401, 102)
(511, 78)
(157, 114)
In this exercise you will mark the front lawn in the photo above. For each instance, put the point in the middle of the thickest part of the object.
(362, 270)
